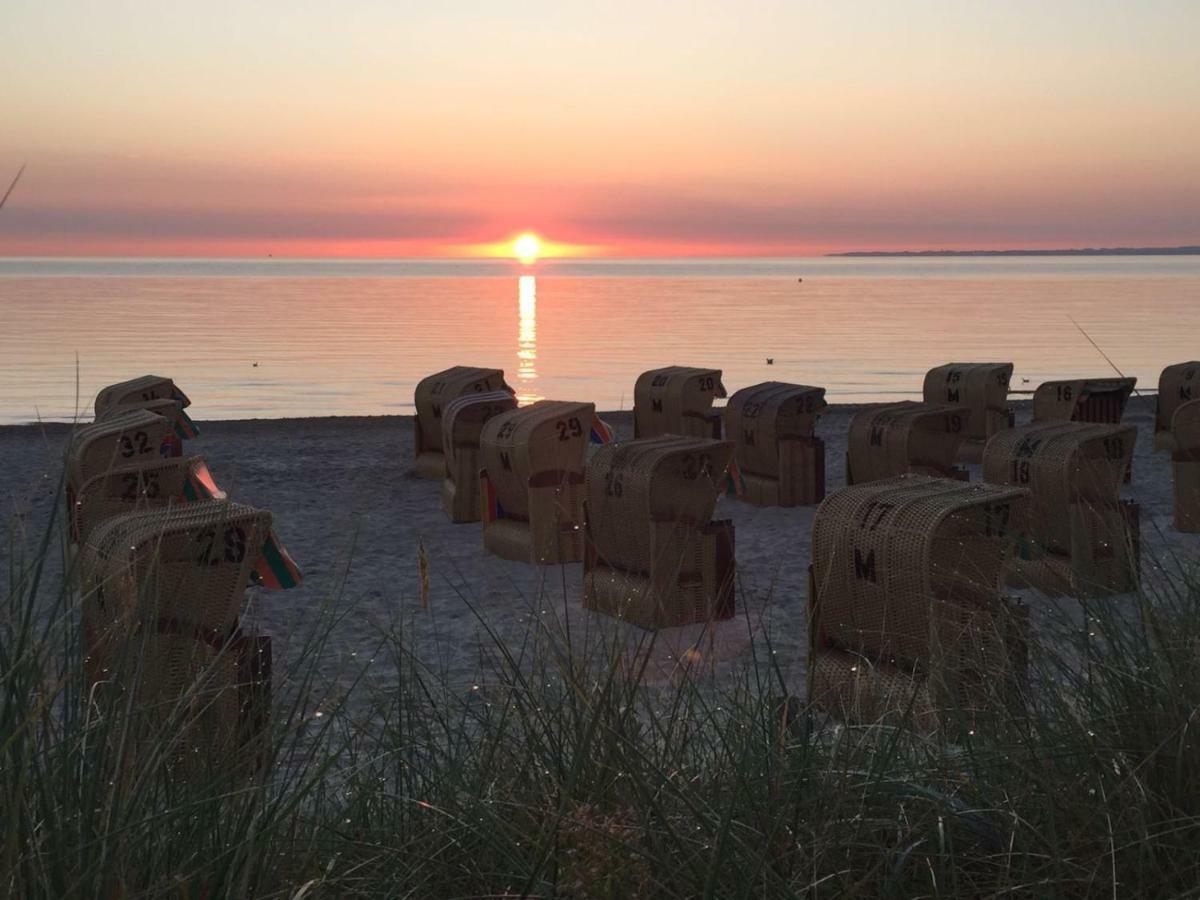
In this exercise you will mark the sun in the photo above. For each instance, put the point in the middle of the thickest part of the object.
(527, 247)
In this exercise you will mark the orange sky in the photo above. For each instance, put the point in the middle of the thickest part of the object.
(686, 128)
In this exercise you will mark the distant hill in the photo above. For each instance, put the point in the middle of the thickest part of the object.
(1079, 251)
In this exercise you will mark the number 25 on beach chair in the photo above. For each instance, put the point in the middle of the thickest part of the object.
(532, 481)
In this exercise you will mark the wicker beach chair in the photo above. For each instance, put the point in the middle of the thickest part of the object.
(981, 386)
(141, 390)
(532, 481)
(677, 400)
(172, 410)
(432, 395)
(153, 485)
(653, 555)
(1185, 459)
(906, 611)
(129, 439)
(1100, 401)
(780, 460)
(908, 437)
(161, 596)
(462, 423)
(1081, 539)
(1176, 386)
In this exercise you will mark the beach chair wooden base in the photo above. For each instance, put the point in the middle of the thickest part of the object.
(801, 481)
(692, 580)
(553, 533)
(460, 496)
(430, 464)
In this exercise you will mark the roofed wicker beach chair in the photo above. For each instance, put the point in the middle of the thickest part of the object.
(1097, 400)
(141, 390)
(1185, 425)
(1082, 539)
(981, 386)
(1176, 386)
(462, 423)
(780, 460)
(161, 595)
(149, 486)
(532, 481)
(907, 616)
(653, 555)
(677, 400)
(173, 410)
(128, 439)
(432, 395)
(907, 437)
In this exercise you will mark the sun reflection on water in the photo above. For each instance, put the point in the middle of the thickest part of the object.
(527, 339)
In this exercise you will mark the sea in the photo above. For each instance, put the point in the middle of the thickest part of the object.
(273, 338)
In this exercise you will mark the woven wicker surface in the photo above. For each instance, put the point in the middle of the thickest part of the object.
(900, 438)
(981, 386)
(141, 389)
(116, 442)
(1185, 426)
(634, 486)
(1097, 400)
(857, 689)
(434, 392)
(675, 400)
(152, 485)
(911, 568)
(1177, 385)
(462, 423)
(757, 418)
(1061, 463)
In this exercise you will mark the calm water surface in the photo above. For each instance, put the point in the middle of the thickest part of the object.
(342, 337)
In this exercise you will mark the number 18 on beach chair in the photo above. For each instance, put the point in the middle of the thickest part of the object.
(653, 555)
(532, 481)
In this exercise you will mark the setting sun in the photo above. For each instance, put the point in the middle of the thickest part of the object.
(527, 247)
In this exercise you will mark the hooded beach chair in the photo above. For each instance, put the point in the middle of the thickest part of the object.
(1100, 401)
(677, 400)
(1176, 386)
(907, 437)
(780, 460)
(141, 390)
(161, 595)
(653, 555)
(906, 614)
(983, 387)
(171, 410)
(1185, 460)
(149, 486)
(531, 481)
(1081, 538)
(462, 423)
(431, 397)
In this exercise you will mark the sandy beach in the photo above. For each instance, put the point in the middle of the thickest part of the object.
(353, 517)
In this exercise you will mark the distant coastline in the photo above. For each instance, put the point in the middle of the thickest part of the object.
(1078, 251)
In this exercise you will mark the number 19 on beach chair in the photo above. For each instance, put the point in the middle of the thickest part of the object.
(531, 481)
(431, 397)
(906, 612)
(780, 460)
(653, 555)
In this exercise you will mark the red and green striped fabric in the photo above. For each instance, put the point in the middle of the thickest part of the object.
(200, 485)
(275, 569)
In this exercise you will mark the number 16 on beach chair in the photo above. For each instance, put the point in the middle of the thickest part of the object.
(532, 481)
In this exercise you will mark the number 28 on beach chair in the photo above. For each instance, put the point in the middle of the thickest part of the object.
(906, 615)
(653, 555)
(431, 397)
(780, 460)
(908, 437)
(677, 400)
(981, 386)
(532, 483)
(462, 424)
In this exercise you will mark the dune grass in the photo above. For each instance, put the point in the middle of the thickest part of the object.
(562, 775)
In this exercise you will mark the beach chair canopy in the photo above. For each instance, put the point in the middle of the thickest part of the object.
(124, 440)
(153, 485)
(463, 420)
(1177, 385)
(435, 392)
(900, 438)
(143, 389)
(1096, 400)
(676, 400)
(759, 417)
(983, 387)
